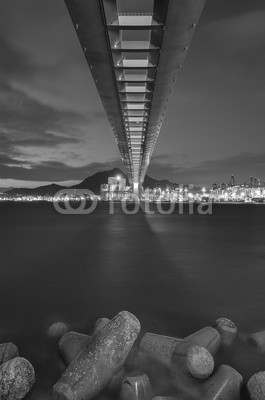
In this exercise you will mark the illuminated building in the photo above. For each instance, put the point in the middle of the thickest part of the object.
(252, 190)
(115, 189)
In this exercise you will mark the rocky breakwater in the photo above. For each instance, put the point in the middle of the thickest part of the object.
(118, 361)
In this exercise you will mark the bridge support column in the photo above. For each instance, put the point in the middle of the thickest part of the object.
(136, 190)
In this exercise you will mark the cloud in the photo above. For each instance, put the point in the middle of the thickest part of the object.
(20, 113)
(46, 90)
(6, 160)
(178, 169)
(49, 171)
(36, 129)
(14, 61)
(32, 132)
(26, 123)
(7, 184)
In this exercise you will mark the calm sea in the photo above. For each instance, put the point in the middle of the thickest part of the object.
(177, 273)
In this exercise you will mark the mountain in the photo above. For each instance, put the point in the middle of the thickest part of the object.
(92, 183)
(47, 190)
(152, 183)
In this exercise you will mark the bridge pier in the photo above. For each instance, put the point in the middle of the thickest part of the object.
(136, 190)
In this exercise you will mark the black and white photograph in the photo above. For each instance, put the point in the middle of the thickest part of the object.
(132, 199)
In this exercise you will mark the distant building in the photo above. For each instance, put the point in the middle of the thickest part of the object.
(115, 189)
(104, 191)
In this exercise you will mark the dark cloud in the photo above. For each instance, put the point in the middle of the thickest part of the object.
(5, 161)
(26, 118)
(53, 171)
(20, 113)
(26, 123)
(53, 127)
(14, 61)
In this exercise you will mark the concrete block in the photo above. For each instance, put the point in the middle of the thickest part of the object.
(17, 377)
(258, 340)
(57, 330)
(8, 351)
(256, 386)
(99, 361)
(71, 344)
(200, 362)
(116, 381)
(193, 359)
(225, 383)
(99, 324)
(158, 347)
(227, 330)
(136, 386)
(207, 337)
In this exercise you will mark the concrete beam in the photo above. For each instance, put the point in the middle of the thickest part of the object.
(89, 23)
(97, 28)
(181, 19)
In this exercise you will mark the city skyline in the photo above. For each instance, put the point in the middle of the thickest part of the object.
(53, 127)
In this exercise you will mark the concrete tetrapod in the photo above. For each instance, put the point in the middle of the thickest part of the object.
(256, 386)
(200, 362)
(207, 337)
(158, 346)
(196, 359)
(227, 330)
(72, 343)
(258, 340)
(57, 330)
(225, 383)
(8, 351)
(17, 377)
(101, 358)
(99, 324)
(136, 386)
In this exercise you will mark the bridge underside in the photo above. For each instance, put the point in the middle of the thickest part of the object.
(135, 58)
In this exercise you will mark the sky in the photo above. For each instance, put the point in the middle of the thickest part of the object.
(53, 127)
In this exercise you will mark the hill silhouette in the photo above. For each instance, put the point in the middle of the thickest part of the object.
(92, 183)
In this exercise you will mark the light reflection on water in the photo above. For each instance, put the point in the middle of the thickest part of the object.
(177, 273)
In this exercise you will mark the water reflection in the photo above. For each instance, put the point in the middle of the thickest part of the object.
(177, 273)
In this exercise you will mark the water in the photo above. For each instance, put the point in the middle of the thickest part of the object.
(177, 273)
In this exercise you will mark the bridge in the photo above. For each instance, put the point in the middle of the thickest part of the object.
(135, 54)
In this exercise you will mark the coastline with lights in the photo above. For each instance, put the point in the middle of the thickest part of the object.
(236, 196)
(118, 189)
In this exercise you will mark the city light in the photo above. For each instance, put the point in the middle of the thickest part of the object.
(252, 191)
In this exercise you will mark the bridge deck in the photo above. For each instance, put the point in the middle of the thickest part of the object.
(135, 59)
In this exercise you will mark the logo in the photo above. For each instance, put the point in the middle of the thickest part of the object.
(75, 201)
